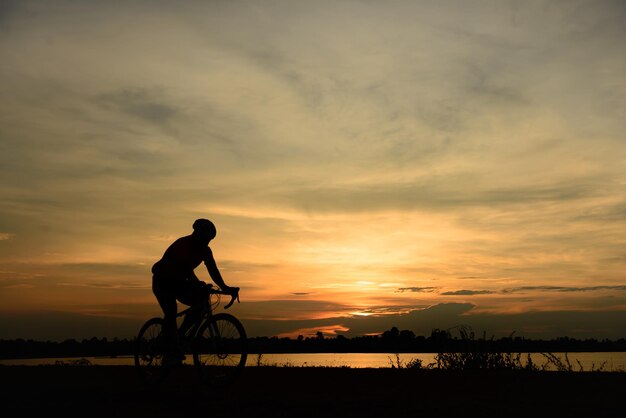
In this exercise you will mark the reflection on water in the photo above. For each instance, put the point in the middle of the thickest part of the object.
(615, 361)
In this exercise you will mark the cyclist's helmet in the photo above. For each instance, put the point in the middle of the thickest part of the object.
(204, 226)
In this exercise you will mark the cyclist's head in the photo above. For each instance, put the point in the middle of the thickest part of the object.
(204, 228)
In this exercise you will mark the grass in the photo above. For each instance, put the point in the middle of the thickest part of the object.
(78, 362)
(416, 363)
(566, 366)
(475, 357)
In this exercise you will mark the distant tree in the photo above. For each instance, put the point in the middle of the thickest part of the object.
(391, 334)
(440, 334)
(407, 334)
(319, 335)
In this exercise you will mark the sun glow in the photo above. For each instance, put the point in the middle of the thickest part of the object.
(326, 331)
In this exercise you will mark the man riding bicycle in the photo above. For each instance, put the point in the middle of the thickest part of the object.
(174, 279)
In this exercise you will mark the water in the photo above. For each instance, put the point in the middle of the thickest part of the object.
(614, 361)
(590, 361)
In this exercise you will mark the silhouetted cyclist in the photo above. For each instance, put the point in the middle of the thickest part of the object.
(174, 279)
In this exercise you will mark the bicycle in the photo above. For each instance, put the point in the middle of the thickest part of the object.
(217, 342)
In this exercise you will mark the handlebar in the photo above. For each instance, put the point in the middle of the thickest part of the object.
(233, 296)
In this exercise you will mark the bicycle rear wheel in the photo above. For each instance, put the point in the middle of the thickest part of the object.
(220, 349)
(149, 351)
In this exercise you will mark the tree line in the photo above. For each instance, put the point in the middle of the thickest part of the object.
(390, 341)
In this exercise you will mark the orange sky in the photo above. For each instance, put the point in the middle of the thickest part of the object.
(462, 163)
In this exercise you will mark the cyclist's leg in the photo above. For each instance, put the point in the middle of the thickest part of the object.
(188, 320)
(191, 295)
(167, 300)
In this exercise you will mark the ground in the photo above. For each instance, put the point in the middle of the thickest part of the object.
(115, 391)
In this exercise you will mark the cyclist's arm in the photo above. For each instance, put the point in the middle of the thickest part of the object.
(192, 276)
(214, 272)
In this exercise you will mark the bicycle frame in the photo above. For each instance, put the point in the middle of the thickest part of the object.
(206, 311)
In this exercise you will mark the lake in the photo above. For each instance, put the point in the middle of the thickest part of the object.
(614, 361)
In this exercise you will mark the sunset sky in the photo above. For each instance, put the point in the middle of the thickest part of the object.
(368, 164)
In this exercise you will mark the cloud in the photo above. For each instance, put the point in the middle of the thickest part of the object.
(140, 103)
(524, 289)
(433, 195)
(104, 268)
(467, 292)
(421, 320)
(515, 290)
(292, 309)
(576, 324)
(417, 289)
(109, 285)
(5, 236)
(326, 330)
(60, 326)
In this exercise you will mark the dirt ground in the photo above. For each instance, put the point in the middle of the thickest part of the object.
(115, 391)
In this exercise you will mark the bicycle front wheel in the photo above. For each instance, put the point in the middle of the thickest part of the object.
(149, 351)
(220, 349)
